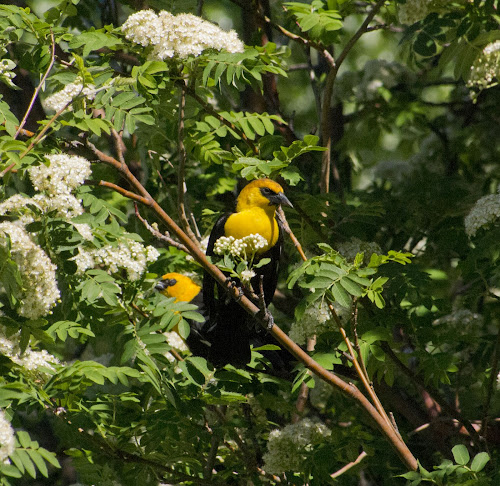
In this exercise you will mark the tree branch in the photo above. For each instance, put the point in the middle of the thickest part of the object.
(39, 87)
(166, 238)
(327, 96)
(348, 389)
(349, 466)
(181, 171)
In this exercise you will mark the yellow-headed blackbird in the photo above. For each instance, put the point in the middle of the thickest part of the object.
(229, 329)
(184, 289)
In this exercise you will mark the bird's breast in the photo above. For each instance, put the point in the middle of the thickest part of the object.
(252, 221)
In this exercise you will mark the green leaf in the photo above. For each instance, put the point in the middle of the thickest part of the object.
(39, 462)
(377, 334)
(341, 296)
(352, 287)
(24, 439)
(461, 454)
(27, 462)
(479, 461)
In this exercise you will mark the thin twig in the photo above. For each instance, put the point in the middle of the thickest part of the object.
(295, 37)
(327, 96)
(349, 466)
(119, 144)
(36, 140)
(364, 378)
(39, 87)
(181, 171)
(301, 402)
(212, 455)
(116, 188)
(166, 238)
(286, 228)
(354, 321)
(361, 369)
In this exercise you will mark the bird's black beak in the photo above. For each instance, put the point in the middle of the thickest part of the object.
(163, 284)
(279, 199)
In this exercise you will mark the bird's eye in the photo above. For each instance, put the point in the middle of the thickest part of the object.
(266, 191)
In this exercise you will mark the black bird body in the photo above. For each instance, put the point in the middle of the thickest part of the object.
(230, 329)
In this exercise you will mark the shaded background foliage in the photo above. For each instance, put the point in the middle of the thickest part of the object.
(412, 148)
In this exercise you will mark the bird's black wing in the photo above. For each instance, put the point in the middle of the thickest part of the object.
(229, 328)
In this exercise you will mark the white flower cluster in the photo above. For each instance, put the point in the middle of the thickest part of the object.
(246, 276)
(243, 248)
(349, 249)
(38, 273)
(64, 174)
(316, 320)
(180, 35)
(59, 100)
(485, 71)
(320, 394)
(176, 342)
(484, 212)
(38, 363)
(6, 69)
(65, 206)
(129, 255)
(372, 82)
(414, 10)
(287, 448)
(7, 440)
(464, 318)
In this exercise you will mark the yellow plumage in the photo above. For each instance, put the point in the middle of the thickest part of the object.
(255, 214)
(184, 289)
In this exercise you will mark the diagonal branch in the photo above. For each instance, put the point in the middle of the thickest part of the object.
(39, 87)
(181, 172)
(347, 388)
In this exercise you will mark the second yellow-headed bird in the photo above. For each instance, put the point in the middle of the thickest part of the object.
(229, 328)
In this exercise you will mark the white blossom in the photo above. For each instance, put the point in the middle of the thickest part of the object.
(317, 319)
(84, 260)
(176, 342)
(59, 100)
(84, 230)
(180, 35)
(128, 255)
(39, 293)
(485, 71)
(246, 276)
(7, 440)
(484, 212)
(64, 174)
(287, 448)
(38, 363)
(35, 361)
(349, 249)
(464, 318)
(7, 73)
(414, 10)
(243, 248)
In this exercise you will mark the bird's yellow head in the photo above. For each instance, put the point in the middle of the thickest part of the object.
(263, 193)
(179, 286)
